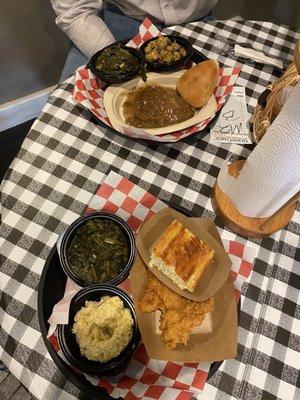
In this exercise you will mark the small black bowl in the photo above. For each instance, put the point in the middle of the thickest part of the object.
(69, 234)
(122, 77)
(67, 339)
(175, 65)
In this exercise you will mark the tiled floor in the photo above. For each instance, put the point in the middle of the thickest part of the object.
(11, 388)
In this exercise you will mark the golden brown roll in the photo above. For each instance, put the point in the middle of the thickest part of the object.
(197, 84)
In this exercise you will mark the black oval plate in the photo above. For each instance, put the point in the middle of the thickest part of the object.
(53, 276)
(197, 57)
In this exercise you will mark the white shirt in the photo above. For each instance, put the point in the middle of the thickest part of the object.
(80, 21)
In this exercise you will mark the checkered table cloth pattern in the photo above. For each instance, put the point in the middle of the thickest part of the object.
(144, 377)
(65, 156)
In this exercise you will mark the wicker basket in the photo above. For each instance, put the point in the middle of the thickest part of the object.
(266, 111)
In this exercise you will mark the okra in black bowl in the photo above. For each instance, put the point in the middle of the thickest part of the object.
(98, 248)
(166, 53)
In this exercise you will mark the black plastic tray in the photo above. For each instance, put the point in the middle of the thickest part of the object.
(51, 290)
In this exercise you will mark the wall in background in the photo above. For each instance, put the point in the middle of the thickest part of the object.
(32, 48)
(285, 12)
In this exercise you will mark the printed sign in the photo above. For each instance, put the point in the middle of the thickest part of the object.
(232, 125)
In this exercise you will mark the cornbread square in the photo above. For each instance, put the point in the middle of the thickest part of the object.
(181, 256)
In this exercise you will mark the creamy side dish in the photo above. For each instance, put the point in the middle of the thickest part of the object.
(103, 328)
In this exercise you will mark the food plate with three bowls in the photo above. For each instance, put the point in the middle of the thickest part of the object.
(163, 87)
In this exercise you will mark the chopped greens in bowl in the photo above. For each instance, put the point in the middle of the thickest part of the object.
(98, 251)
(116, 63)
(97, 248)
(116, 60)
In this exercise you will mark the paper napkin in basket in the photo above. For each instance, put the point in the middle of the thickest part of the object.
(88, 92)
(144, 377)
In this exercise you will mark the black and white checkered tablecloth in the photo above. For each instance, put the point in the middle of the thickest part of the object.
(62, 161)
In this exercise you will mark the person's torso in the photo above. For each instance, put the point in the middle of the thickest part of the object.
(170, 12)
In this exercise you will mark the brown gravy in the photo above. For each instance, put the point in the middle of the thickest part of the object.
(154, 106)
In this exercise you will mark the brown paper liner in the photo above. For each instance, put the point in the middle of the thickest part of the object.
(219, 345)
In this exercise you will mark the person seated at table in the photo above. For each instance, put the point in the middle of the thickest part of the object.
(94, 24)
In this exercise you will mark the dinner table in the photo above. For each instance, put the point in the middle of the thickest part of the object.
(64, 158)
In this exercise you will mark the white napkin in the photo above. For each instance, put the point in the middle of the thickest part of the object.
(271, 174)
(257, 56)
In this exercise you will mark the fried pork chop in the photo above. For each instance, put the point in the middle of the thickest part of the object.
(178, 315)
